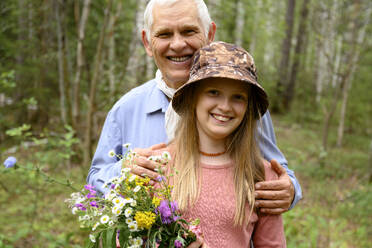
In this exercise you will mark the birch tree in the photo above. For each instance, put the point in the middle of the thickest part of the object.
(79, 62)
(289, 91)
(354, 36)
(92, 92)
(61, 79)
(286, 49)
(136, 49)
(239, 25)
(111, 48)
(348, 83)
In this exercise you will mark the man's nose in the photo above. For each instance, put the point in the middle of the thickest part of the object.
(178, 42)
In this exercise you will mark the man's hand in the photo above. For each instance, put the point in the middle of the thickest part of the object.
(275, 197)
(145, 167)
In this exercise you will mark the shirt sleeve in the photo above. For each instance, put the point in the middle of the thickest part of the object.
(267, 143)
(104, 167)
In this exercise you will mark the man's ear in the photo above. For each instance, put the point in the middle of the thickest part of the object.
(146, 43)
(212, 32)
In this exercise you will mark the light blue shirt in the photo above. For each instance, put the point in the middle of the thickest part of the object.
(138, 118)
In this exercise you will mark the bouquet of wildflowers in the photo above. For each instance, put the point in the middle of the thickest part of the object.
(132, 212)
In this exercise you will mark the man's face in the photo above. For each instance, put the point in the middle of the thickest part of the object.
(176, 33)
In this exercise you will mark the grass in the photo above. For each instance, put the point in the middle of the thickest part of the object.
(336, 207)
(335, 210)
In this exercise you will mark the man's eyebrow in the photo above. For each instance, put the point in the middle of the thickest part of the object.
(190, 26)
(161, 30)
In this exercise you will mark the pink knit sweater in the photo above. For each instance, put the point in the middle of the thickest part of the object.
(215, 208)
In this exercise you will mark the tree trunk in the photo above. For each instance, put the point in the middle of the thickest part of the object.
(345, 93)
(61, 69)
(239, 22)
(351, 57)
(284, 62)
(79, 64)
(149, 67)
(302, 32)
(135, 46)
(214, 7)
(92, 93)
(321, 63)
(370, 163)
(111, 49)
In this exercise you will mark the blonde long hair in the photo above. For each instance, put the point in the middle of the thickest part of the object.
(241, 146)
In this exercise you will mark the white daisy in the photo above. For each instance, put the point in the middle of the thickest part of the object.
(137, 188)
(128, 212)
(166, 155)
(132, 177)
(104, 219)
(111, 153)
(128, 221)
(126, 145)
(116, 210)
(132, 226)
(133, 203)
(74, 210)
(138, 241)
(126, 170)
(95, 226)
(92, 238)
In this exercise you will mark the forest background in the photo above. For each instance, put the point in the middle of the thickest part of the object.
(63, 63)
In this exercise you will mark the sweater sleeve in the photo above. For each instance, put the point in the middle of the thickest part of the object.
(269, 230)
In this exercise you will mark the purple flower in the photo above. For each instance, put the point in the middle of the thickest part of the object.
(174, 206)
(177, 244)
(113, 186)
(89, 195)
(160, 178)
(94, 204)
(166, 212)
(80, 206)
(10, 162)
(89, 187)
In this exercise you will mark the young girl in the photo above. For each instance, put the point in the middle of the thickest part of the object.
(215, 152)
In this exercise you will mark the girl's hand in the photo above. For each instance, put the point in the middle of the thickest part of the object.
(198, 243)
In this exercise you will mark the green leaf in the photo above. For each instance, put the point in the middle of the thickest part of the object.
(123, 237)
(111, 238)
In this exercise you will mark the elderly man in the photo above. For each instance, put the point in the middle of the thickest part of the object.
(174, 30)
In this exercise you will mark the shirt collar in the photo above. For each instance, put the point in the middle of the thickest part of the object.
(156, 100)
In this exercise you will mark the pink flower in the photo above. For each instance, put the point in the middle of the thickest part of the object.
(196, 230)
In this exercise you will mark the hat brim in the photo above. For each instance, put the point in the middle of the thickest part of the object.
(205, 73)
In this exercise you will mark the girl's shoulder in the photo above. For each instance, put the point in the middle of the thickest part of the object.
(270, 174)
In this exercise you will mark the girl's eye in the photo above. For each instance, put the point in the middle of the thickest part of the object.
(213, 92)
(240, 97)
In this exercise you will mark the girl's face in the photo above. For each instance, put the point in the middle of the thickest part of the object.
(220, 107)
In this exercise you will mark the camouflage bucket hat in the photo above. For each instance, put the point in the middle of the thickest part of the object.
(223, 60)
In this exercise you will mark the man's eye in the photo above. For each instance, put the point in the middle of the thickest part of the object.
(163, 35)
(189, 31)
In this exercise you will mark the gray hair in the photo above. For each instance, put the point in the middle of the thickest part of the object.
(200, 6)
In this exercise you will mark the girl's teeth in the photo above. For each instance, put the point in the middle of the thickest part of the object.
(221, 118)
(179, 59)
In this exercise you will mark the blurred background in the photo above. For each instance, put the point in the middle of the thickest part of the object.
(63, 63)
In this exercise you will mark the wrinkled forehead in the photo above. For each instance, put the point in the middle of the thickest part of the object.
(182, 13)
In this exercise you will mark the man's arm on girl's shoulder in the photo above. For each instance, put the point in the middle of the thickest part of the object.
(280, 195)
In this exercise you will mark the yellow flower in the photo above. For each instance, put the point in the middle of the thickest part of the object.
(145, 219)
(156, 201)
(142, 181)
